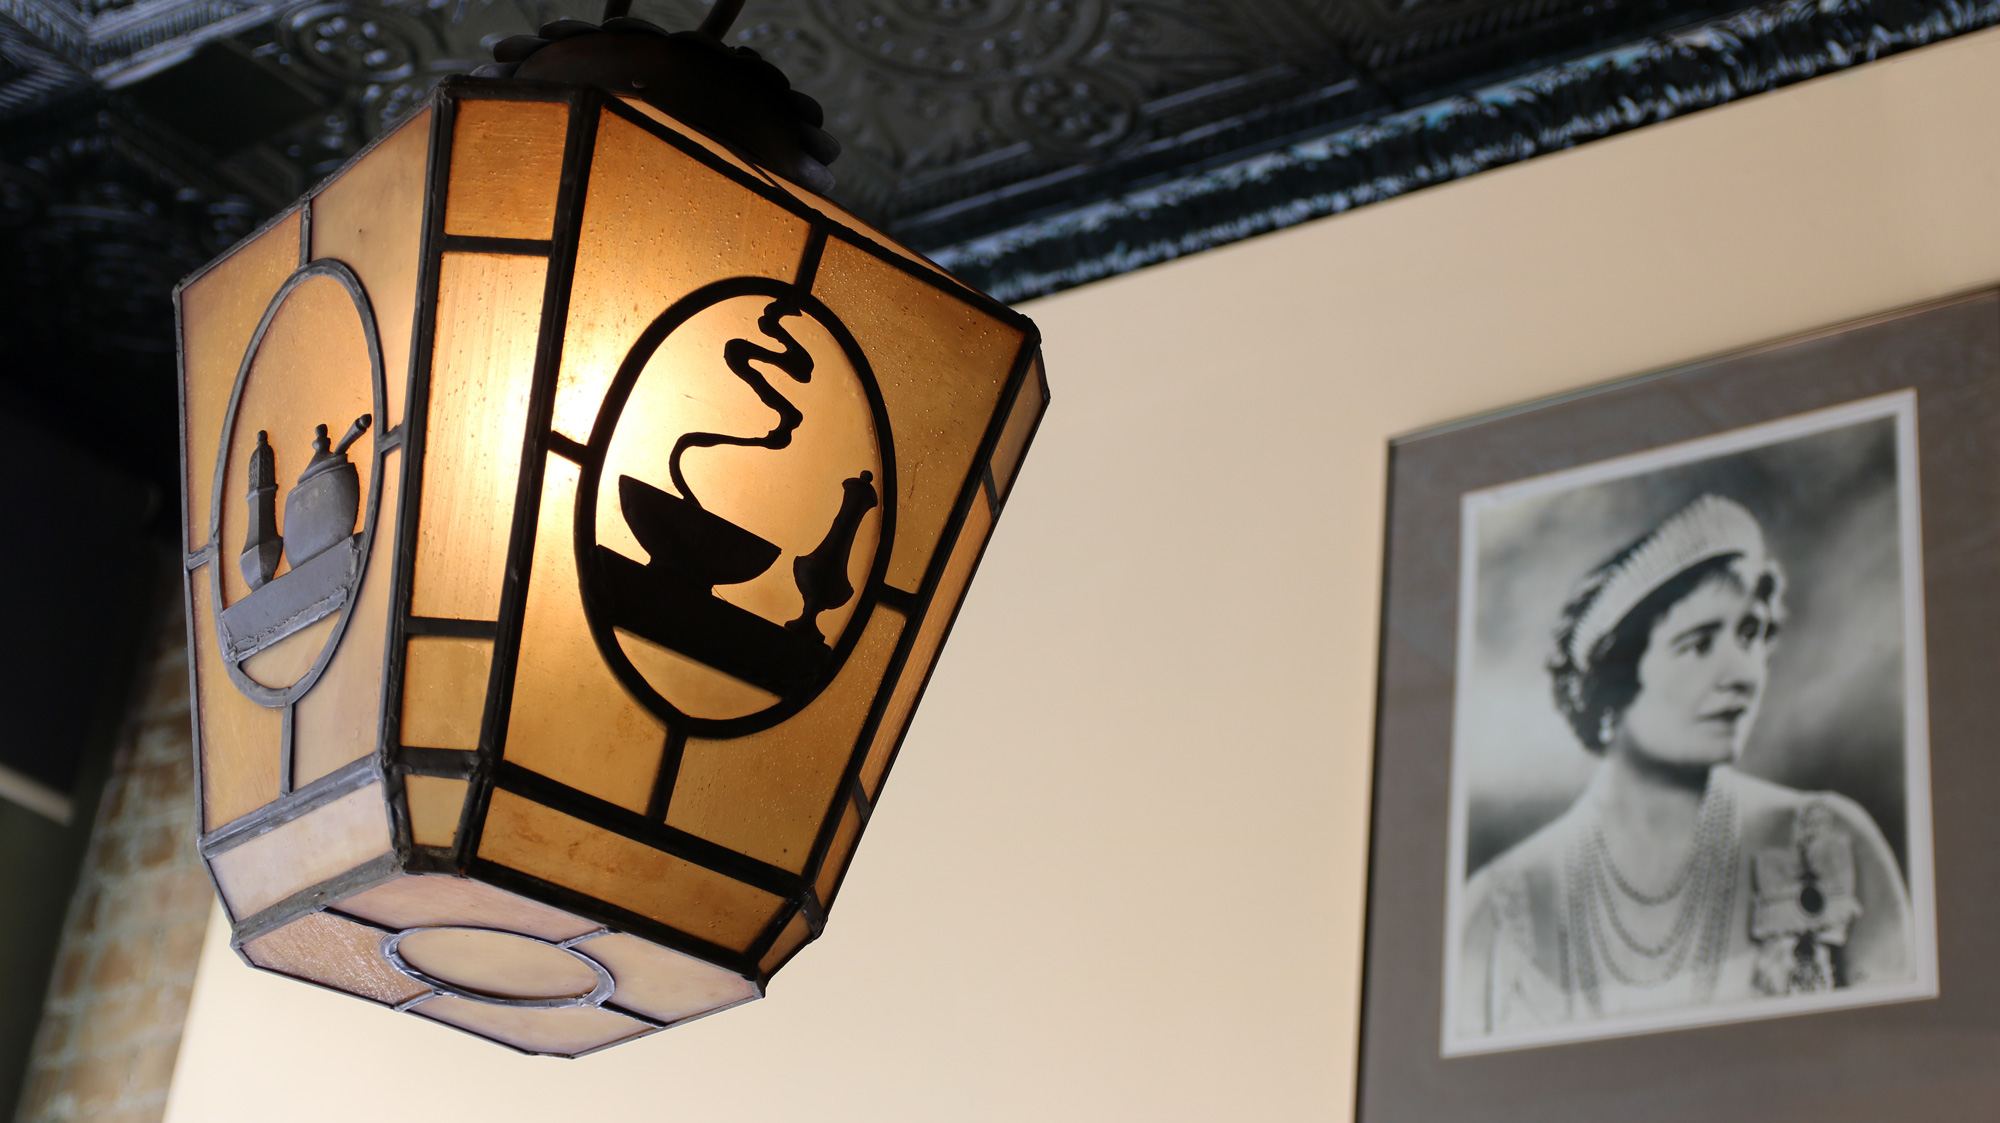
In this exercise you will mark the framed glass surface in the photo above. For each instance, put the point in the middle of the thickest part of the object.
(1678, 805)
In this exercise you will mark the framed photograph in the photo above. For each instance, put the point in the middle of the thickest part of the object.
(1685, 799)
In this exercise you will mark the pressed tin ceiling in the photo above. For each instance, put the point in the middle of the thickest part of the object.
(1030, 145)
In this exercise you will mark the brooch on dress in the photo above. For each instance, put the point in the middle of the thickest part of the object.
(1804, 905)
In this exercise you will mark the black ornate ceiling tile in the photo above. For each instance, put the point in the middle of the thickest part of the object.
(1030, 145)
(32, 77)
(941, 101)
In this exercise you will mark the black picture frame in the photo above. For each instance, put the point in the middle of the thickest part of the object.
(1927, 1058)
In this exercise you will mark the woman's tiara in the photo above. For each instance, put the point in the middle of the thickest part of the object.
(1709, 527)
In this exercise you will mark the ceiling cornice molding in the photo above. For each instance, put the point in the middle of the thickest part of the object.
(1607, 92)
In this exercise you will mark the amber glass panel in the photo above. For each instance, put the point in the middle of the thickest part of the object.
(565, 1031)
(941, 365)
(323, 842)
(219, 314)
(833, 210)
(311, 369)
(930, 636)
(571, 720)
(661, 982)
(339, 719)
(548, 844)
(337, 953)
(239, 738)
(789, 940)
(506, 163)
(286, 662)
(790, 497)
(765, 794)
(657, 225)
(372, 218)
(500, 964)
(444, 690)
(1013, 441)
(488, 318)
(435, 803)
(433, 899)
(838, 854)
(698, 689)
(715, 148)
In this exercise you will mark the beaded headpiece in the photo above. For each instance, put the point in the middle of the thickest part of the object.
(1709, 527)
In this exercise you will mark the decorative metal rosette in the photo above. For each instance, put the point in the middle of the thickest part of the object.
(731, 93)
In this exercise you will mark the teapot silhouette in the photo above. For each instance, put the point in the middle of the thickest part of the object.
(321, 544)
(320, 511)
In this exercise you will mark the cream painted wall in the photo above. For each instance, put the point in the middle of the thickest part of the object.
(1118, 872)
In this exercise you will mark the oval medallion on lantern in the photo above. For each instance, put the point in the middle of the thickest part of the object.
(754, 488)
(313, 369)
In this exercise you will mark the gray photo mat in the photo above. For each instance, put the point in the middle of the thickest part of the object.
(1928, 1059)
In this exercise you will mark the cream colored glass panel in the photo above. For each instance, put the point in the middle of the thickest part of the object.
(837, 854)
(311, 369)
(489, 316)
(930, 636)
(334, 952)
(433, 899)
(571, 720)
(506, 163)
(240, 740)
(219, 314)
(498, 964)
(548, 844)
(444, 690)
(941, 365)
(435, 803)
(765, 795)
(372, 218)
(795, 934)
(1013, 441)
(661, 982)
(339, 719)
(284, 663)
(561, 1032)
(323, 842)
(657, 225)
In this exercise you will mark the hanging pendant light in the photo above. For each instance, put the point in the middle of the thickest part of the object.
(576, 504)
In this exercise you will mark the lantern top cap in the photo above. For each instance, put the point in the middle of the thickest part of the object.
(730, 93)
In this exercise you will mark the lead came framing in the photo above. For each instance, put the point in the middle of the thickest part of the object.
(503, 738)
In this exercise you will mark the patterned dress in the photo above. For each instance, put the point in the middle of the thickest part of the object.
(1783, 892)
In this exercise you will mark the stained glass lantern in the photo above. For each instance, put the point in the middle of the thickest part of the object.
(576, 505)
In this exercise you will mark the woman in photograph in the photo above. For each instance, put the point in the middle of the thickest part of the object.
(1675, 881)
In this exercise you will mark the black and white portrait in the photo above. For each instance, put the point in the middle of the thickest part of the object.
(1689, 756)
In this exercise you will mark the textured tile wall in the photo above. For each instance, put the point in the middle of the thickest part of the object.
(111, 1028)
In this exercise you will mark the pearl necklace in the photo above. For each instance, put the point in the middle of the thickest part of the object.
(1698, 935)
(1611, 867)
